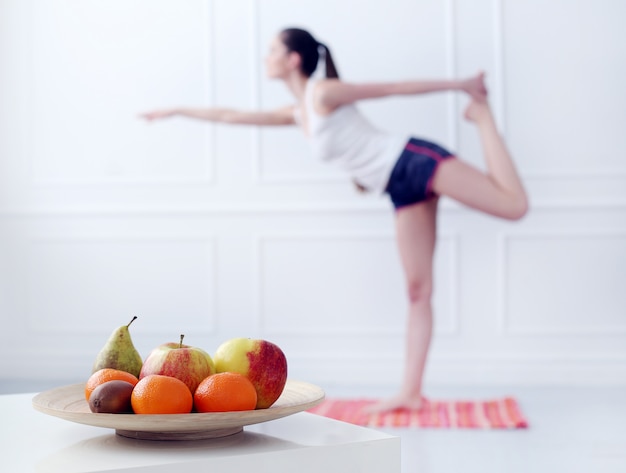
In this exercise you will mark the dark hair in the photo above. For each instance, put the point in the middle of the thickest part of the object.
(302, 42)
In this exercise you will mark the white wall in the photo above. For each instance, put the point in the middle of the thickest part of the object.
(218, 231)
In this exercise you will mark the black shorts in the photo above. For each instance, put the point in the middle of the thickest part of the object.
(412, 175)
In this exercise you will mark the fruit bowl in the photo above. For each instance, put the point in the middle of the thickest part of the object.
(68, 402)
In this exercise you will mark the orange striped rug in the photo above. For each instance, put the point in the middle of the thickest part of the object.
(493, 414)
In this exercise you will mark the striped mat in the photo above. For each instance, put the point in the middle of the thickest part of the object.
(493, 414)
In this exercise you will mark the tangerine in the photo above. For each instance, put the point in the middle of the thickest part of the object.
(160, 394)
(107, 374)
(224, 392)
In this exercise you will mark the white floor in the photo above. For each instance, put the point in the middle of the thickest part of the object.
(572, 430)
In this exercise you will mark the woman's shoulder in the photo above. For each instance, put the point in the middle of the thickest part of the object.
(321, 89)
(323, 84)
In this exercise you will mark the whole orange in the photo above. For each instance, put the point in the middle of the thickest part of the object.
(223, 392)
(159, 394)
(107, 374)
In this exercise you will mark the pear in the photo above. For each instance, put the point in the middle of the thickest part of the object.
(119, 352)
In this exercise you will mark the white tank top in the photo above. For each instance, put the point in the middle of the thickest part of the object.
(347, 138)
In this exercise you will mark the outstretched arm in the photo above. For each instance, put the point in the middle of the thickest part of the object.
(281, 116)
(331, 94)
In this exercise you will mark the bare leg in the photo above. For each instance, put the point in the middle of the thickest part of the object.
(500, 191)
(416, 236)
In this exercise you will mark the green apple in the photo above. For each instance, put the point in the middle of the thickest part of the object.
(262, 362)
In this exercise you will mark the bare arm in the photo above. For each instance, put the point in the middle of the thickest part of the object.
(331, 94)
(281, 116)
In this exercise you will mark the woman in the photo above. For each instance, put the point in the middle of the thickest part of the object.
(413, 172)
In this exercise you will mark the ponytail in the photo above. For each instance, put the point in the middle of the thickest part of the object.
(331, 70)
(313, 54)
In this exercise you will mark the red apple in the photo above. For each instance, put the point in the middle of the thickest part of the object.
(262, 362)
(189, 364)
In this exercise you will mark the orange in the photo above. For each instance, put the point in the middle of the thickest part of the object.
(160, 394)
(107, 374)
(223, 392)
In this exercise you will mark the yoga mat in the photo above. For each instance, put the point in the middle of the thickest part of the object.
(492, 414)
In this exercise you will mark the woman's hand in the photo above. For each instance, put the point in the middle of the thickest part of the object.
(158, 114)
(475, 87)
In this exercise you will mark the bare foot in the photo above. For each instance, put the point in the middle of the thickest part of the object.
(475, 86)
(477, 111)
(396, 403)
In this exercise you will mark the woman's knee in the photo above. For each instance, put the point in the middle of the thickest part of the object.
(419, 290)
(517, 209)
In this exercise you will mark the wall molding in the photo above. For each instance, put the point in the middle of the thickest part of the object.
(453, 285)
(450, 15)
(211, 242)
(562, 175)
(498, 61)
(260, 316)
(346, 369)
(481, 374)
(494, 357)
(255, 86)
(208, 180)
(504, 325)
(498, 7)
(313, 207)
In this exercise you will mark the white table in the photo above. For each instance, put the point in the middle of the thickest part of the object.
(31, 441)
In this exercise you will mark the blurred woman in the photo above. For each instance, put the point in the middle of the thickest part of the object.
(413, 171)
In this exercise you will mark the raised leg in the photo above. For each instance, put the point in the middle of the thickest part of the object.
(499, 191)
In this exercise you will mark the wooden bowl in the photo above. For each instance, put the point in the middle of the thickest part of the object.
(68, 402)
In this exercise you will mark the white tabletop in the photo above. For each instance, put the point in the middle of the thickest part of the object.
(302, 443)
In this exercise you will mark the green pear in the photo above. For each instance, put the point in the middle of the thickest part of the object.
(119, 352)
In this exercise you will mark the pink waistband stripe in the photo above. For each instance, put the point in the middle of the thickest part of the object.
(424, 151)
